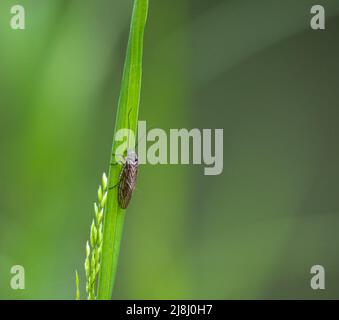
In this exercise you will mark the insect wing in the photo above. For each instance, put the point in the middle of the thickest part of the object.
(127, 184)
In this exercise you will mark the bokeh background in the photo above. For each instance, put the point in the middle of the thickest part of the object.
(254, 68)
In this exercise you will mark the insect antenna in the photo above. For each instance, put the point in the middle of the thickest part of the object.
(143, 136)
(129, 128)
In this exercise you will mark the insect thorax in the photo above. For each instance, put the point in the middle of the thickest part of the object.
(131, 157)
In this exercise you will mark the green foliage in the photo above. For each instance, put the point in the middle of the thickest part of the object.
(94, 245)
(127, 115)
(77, 295)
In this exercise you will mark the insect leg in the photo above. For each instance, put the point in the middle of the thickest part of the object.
(129, 125)
(116, 185)
(117, 154)
(115, 163)
(128, 119)
(110, 188)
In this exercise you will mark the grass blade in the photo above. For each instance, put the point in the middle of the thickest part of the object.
(127, 115)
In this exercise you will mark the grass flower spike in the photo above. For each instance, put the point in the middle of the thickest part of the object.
(94, 245)
(103, 247)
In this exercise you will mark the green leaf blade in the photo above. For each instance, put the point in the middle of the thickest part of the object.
(127, 115)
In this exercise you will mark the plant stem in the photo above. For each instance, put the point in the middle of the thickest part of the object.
(127, 115)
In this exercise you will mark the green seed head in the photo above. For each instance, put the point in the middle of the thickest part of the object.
(100, 194)
(93, 235)
(88, 249)
(104, 199)
(104, 181)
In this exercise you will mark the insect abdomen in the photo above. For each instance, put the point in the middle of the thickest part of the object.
(127, 183)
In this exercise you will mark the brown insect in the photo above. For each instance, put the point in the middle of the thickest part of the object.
(128, 178)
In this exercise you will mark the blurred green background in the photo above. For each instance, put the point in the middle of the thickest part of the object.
(254, 68)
